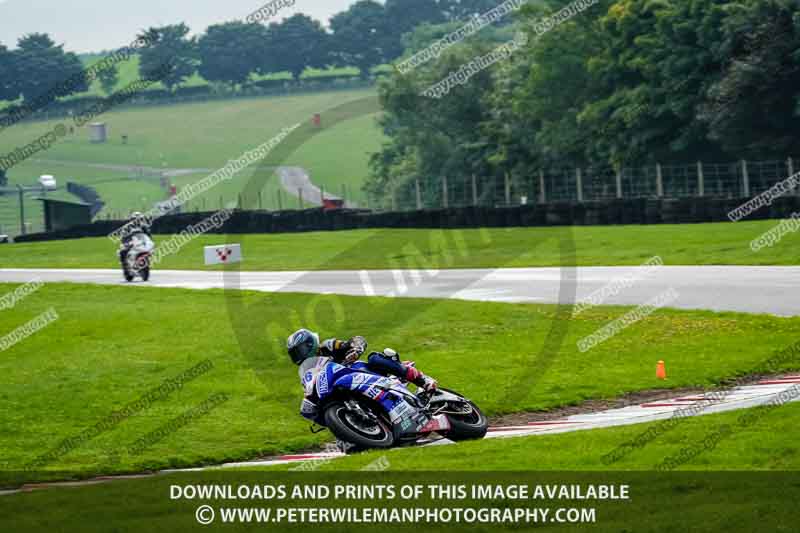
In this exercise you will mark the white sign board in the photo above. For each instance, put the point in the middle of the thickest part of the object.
(223, 254)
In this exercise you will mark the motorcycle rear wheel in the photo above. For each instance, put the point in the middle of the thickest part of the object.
(351, 427)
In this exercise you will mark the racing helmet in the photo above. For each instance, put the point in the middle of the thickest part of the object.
(139, 219)
(302, 344)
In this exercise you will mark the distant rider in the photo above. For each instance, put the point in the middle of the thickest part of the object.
(137, 224)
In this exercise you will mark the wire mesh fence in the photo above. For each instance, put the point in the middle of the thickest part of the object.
(16, 219)
(740, 179)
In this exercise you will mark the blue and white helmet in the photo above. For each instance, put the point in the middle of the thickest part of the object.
(302, 344)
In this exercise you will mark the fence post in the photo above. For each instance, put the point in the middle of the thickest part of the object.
(259, 201)
(745, 179)
(280, 200)
(579, 183)
(21, 209)
(508, 190)
(419, 197)
(542, 191)
(790, 162)
(240, 201)
(701, 180)
(300, 197)
(619, 183)
(659, 181)
(394, 200)
(445, 199)
(474, 190)
(790, 167)
(321, 195)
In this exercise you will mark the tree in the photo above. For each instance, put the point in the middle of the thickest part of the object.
(47, 70)
(230, 52)
(109, 77)
(751, 109)
(406, 15)
(296, 43)
(430, 138)
(171, 51)
(8, 75)
(462, 9)
(363, 37)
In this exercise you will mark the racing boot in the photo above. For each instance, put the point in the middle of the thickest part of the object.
(426, 383)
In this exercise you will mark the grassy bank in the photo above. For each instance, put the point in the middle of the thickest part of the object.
(694, 244)
(112, 345)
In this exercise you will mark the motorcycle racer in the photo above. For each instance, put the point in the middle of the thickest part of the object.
(304, 344)
(136, 224)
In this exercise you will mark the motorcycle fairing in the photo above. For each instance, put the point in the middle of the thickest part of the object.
(405, 417)
(323, 376)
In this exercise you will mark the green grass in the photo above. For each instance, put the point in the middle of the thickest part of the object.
(769, 444)
(719, 494)
(122, 191)
(198, 136)
(324, 157)
(113, 344)
(202, 135)
(696, 244)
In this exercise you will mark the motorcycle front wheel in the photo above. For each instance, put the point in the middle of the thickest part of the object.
(467, 421)
(353, 427)
(143, 267)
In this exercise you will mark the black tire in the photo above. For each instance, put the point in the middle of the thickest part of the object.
(470, 426)
(143, 267)
(347, 430)
(128, 274)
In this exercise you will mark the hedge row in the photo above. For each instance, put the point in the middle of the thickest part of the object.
(610, 212)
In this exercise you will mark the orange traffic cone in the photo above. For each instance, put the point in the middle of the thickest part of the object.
(661, 371)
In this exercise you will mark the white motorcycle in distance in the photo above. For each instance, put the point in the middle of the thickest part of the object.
(137, 261)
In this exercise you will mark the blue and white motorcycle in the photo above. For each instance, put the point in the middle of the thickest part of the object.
(367, 410)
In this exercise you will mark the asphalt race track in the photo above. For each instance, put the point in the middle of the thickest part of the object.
(720, 288)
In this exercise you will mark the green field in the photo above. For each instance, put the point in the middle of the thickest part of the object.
(111, 345)
(338, 157)
(717, 494)
(769, 444)
(695, 244)
(197, 137)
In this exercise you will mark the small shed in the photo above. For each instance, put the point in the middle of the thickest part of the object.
(63, 214)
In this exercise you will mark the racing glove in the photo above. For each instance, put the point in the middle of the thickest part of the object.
(355, 348)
